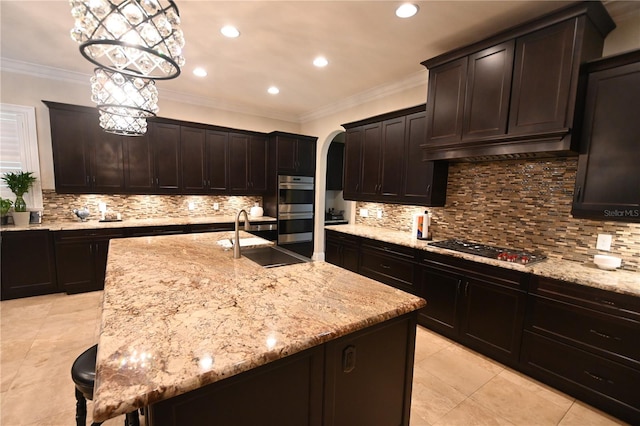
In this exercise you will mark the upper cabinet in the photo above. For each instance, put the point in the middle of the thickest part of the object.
(383, 161)
(335, 166)
(247, 164)
(295, 154)
(608, 182)
(516, 93)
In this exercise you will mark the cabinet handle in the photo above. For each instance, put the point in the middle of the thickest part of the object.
(93, 179)
(383, 266)
(88, 179)
(157, 183)
(606, 302)
(466, 289)
(349, 359)
(578, 193)
(357, 186)
(598, 378)
(458, 286)
(428, 189)
(603, 335)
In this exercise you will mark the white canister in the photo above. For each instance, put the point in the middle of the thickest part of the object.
(256, 211)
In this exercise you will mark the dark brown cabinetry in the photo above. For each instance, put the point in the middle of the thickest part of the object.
(81, 258)
(335, 166)
(28, 264)
(377, 163)
(204, 160)
(295, 154)
(608, 182)
(480, 305)
(388, 263)
(86, 159)
(584, 342)
(247, 163)
(139, 169)
(342, 250)
(517, 92)
(166, 157)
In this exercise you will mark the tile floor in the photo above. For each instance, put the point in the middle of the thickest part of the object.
(41, 336)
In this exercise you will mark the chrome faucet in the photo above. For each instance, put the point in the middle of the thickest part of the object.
(236, 243)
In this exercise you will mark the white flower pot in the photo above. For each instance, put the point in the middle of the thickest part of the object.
(21, 219)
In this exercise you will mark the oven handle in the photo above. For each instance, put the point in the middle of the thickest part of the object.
(291, 216)
(297, 186)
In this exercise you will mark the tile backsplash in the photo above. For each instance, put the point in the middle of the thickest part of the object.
(523, 204)
(58, 207)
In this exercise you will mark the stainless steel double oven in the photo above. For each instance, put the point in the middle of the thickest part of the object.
(295, 209)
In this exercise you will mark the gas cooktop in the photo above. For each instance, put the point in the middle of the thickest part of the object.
(492, 252)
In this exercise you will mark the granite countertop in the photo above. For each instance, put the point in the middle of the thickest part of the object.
(179, 313)
(619, 281)
(130, 223)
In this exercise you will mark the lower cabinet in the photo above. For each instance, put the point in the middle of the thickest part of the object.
(342, 250)
(28, 264)
(81, 258)
(584, 341)
(388, 263)
(363, 378)
(479, 305)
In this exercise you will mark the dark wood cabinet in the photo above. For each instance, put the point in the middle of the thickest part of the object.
(388, 263)
(193, 159)
(295, 154)
(165, 139)
(335, 166)
(217, 160)
(342, 250)
(28, 264)
(139, 170)
(479, 305)
(379, 166)
(247, 163)
(81, 258)
(86, 158)
(607, 182)
(516, 93)
(583, 341)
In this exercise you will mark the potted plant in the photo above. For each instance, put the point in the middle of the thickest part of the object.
(19, 183)
(5, 205)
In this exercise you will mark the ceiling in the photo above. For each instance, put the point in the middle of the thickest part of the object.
(369, 49)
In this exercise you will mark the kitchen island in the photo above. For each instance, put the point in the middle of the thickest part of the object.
(198, 337)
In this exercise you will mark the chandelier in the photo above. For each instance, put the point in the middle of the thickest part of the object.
(134, 37)
(122, 124)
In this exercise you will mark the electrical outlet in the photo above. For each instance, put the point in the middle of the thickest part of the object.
(216, 206)
(192, 205)
(379, 214)
(102, 207)
(364, 212)
(603, 242)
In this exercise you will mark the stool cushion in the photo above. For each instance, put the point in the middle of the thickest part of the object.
(83, 371)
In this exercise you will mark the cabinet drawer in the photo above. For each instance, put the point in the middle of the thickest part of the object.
(389, 248)
(91, 235)
(150, 231)
(610, 335)
(590, 377)
(391, 270)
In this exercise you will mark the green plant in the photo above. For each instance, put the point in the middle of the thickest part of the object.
(19, 183)
(5, 205)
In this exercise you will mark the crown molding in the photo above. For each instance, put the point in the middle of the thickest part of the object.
(43, 71)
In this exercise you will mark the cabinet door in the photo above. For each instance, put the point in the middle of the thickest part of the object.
(392, 157)
(351, 257)
(371, 160)
(488, 91)
(218, 160)
(287, 154)
(335, 166)
(100, 254)
(306, 157)
(441, 288)
(353, 163)
(608, 182)
(492, 318)
(542, 80)
(71, 154)
(28, 265)
(238, 162)
(138, 170)
(166, 146)
(332, 250)
(75, 266)
(257, 164)
(424, 182)
(192, 159)
(107, 165)
(445, 104)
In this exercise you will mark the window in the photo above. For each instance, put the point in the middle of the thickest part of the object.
(19, 150)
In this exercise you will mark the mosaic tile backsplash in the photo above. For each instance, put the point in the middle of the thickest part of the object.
(522, 204)
(58, 207)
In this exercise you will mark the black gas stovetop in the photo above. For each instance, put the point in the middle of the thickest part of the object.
(492, 252)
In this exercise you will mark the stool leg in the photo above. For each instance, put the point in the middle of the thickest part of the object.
(132, 419)
(81, 409)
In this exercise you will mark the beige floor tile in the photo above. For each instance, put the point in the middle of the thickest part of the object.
(428, 343)
(581, 414)
(552, 395)
(517, 403)
(432, 397)
(470, 413)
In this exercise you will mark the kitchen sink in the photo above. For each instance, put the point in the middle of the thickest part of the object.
(272, 256)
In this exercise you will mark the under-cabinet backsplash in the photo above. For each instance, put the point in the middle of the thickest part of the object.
(58, 207)
(523, 204)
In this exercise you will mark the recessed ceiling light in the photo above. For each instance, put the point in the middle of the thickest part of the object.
(273, 90)
(200, 72)
(230, 31)
(406, 10)
(320, 62)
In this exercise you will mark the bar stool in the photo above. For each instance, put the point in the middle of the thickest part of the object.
(83, 373)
